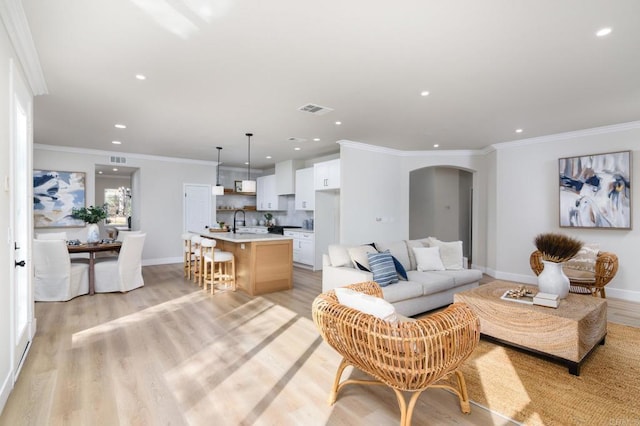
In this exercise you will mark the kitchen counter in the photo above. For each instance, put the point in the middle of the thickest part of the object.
(264, 262)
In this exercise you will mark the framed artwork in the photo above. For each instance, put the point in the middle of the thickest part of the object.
(55, 194)
(237, 186)
(595, 191)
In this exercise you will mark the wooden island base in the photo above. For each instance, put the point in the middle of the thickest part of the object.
(262, 266)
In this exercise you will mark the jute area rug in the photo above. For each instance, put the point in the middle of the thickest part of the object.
(535, 391)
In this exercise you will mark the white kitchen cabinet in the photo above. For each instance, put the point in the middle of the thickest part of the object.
(286, 176)
(303, 247)
(305, 192)
(327, 175)
(267, 198)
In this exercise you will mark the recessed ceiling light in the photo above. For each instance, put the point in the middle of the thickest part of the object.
(268, 157)
(141, 77)
(99, 172)
(436, 145)
(297, 148)
(518, 130)
(316, 139)
(603, 32)
(116, 142)
(120, 126)
(246, 163)
(338, 123)
(115, 169)
(424, 93)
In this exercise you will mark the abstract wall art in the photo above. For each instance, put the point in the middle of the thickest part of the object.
(595, 191)
(55, 194)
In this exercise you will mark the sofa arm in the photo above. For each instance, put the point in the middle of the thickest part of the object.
(333, 276)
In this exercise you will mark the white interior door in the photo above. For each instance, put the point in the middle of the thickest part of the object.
(197, 207)
(21, 190)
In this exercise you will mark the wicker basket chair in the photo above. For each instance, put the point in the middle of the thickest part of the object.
(407, 356)
(605, 269)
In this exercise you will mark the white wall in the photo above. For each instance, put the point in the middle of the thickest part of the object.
(526, 193)
(158, 209)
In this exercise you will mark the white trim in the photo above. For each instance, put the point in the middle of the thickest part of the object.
(161, 261)
(128, 155)
(15, 21)
(628, 295)
(7, 387)
(569, 135)
(400, 153)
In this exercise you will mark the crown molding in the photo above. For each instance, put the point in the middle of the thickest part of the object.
(88, 151)
(400, 153)
(569, 135)
(15, 21)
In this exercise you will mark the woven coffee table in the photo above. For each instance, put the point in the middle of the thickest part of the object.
(567, 334)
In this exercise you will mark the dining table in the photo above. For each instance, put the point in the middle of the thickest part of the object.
(92, 249)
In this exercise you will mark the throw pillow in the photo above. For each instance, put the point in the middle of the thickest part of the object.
(410, 245)
(339, 255)
(400, 269)
(371, 305)
(428, 259)
(359, 258)
(383, 268)
(585, 259)
(450, 253)
(398, 249)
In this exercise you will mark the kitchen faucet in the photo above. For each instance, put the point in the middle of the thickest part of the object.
(235, 213)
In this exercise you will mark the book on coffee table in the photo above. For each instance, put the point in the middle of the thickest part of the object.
(546, 299)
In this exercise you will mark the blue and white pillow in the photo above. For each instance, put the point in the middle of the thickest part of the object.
(383, 268)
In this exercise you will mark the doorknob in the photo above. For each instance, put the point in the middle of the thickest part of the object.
(21, 263)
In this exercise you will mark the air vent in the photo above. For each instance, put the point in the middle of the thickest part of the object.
(117, 160)
(315, 109)
(297, 140)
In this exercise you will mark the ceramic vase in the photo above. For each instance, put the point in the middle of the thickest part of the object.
(553, 280)
(93, 233)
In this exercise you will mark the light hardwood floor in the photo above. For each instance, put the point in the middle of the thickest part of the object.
(170, 354)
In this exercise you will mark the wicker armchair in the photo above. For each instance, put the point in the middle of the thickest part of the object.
(408, 356)
(605, 269)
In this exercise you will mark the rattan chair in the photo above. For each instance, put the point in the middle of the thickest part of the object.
(605, 269)
(407, 356)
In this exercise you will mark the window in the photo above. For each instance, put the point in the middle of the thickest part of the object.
(118, 202)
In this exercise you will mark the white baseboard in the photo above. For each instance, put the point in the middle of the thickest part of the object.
(161, 261)
(5, 391)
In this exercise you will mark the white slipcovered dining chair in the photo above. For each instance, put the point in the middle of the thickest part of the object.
(56, 279)
(123, 273)
(123, 234)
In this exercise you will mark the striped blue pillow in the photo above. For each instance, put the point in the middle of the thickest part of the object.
(383, 268)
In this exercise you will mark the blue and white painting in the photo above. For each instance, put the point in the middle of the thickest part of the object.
(55, 194)
(595, 191)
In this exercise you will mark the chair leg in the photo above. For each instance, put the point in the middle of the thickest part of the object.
(465, 407)
(406, 412)
(336, 382)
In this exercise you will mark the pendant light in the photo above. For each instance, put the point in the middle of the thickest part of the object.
(248, 185)
(218, 189)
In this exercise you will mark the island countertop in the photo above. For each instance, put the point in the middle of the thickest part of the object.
(241, 237)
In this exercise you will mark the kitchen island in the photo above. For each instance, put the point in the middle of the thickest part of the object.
(264, 262)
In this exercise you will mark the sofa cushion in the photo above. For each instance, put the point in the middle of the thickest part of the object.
(383, 268)
(428, 259)
(462, 276)
(450, 253)
(368, 304)
(432, 282)
(398, 249)
(339, 255)
(359, 257)
(402, 290)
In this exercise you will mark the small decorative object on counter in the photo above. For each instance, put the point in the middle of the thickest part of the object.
(269, 218)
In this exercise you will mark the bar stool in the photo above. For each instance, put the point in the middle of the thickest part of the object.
(218, 267)
(188, 253)
(196, 269)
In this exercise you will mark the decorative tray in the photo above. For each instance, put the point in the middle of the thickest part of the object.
(218, 230)
(526, 298)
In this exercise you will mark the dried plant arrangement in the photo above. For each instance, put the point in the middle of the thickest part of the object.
(557, 248)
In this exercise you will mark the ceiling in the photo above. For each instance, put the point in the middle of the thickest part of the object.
(217, 69)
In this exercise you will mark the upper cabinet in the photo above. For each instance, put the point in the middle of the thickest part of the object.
(305, 192)
(267, 197)
(327, 175)
(286, 176)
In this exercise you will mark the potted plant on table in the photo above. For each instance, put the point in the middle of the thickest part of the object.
(91, 215)
(555, 249)
(268, 217)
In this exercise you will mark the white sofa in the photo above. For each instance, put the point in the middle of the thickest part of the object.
(421, 292)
